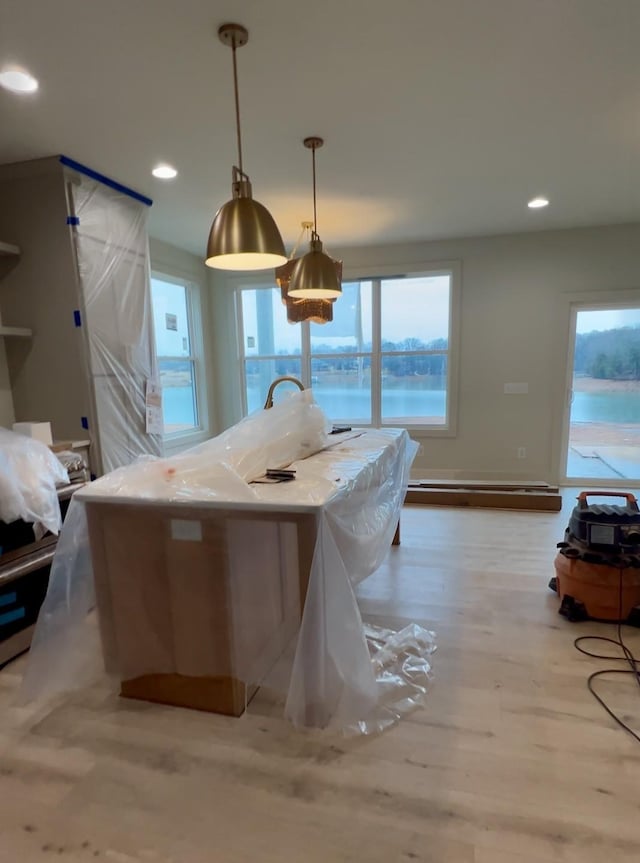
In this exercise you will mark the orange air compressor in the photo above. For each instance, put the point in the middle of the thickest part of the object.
(598, 563)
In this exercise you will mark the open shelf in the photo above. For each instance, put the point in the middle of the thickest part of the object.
(9, 249)
(22, 332)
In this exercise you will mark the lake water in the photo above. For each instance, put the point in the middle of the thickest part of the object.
(343, 403)
(354, 404)
(614, 407)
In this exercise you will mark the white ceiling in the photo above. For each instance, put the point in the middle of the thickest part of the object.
(441, 117)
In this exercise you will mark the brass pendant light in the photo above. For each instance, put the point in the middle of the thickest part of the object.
(314, 275)
(314, 311)
(243, 235)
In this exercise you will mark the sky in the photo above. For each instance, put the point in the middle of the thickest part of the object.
(607, 319)
(416, 307)
(170, 300)
(405, 314)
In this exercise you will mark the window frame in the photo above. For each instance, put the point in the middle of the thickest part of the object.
(376, 275)
(175, 441)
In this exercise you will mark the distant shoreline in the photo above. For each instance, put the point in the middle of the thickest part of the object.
(600, 385)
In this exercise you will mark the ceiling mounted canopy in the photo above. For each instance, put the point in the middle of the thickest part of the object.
(314, 276)
(243, 235)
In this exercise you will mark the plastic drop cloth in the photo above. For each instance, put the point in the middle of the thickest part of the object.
(112, 255)
(222, 468)
(347, 495)
(29, 473)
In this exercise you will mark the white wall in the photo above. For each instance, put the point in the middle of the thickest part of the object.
(7, 415)
(6, 401)
(178, 262)
(516, 296)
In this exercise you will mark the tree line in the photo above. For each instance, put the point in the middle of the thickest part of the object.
(610, 355)
(394, 361)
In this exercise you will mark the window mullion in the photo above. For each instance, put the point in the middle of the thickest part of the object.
(305, 355)
(195, 382)
(242, 364)
(376, 363)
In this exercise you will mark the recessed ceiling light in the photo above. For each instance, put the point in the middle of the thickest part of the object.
(537, 203)
(18, 80)
(164, 172)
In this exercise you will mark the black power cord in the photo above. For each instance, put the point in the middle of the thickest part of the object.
(626, 657)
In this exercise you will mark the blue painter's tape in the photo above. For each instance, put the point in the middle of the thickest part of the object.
(10, 616)
(73, 220)
(77, 318)
(89, 172)
(8, 598)
(85, 422)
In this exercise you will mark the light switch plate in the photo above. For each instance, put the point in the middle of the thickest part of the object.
(516, 389)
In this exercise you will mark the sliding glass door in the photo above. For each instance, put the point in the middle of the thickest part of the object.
(603, 439)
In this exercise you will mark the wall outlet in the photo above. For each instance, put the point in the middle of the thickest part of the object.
(522, 452)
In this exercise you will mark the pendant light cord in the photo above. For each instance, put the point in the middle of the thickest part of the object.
(315, 215)
(235, 88)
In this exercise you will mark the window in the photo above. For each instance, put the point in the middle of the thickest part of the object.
(173, 303)
(341, 357)
(414, 347)
(272, 347)
(387, 358)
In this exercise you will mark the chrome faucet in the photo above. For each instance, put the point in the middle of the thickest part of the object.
(269, 402)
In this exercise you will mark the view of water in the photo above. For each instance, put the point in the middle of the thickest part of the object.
(354, 404)
(612, 407)
(344, 403)
(339, 403)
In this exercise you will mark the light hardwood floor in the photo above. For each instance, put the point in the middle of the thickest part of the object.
(510, 760)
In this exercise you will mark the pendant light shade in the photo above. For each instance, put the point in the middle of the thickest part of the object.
(243, 235)
(314, 275)
(315, 311)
